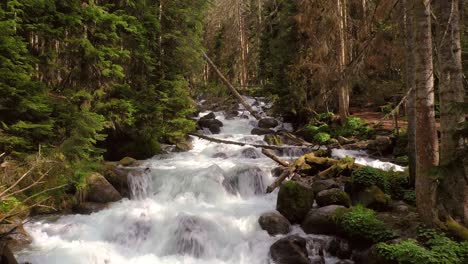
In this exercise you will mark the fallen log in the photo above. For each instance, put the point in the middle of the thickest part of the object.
(272, 156)
(281, 178)
(232, 88)
(223, 141)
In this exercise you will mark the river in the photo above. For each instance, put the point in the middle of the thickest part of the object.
(193, 207)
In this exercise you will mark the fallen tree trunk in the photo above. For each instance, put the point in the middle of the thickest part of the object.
(281, 178)
(222, 141)
(232, 88)
(272, 156)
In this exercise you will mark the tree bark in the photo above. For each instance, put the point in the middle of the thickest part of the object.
(410, 85)
(454, 187)
(231, 88)
(343, 91)
(427, 148)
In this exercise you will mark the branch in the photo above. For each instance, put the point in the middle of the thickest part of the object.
(272, 156)
(17, 182)
(222, 141)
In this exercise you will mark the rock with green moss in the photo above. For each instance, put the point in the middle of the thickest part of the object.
(294, 201)
(273, 140)
(333, 196)
(321, 220)
(374, 198)
(361, 224)
(128, 162)
(290, 250)
(99, 190)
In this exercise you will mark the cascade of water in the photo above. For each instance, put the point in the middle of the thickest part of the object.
(140, 184)
(200, 207)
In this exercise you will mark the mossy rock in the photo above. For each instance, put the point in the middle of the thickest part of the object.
(294, 201)
(333, 196)
(374, 198)
(274, 140)
(128, 162)
(362, 225)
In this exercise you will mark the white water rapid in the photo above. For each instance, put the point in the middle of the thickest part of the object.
(201, 206)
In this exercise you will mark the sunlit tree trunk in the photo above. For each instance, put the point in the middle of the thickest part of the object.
(410, 84)
(243, 45)
(427, 147)
(343, 90)
(454, 185)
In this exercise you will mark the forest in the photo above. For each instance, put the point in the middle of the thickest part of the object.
(343, 119)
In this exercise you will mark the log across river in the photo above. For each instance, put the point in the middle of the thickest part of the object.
(200, 206)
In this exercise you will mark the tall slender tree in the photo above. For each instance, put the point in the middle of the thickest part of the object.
(408, 6)
(427, 146)
(454, 185)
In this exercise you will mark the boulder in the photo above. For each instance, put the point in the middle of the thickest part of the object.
(128, 162)
(214, 129)
(231, 114)
(118, 177)
(87, 208)
(208, 116)
(250, 153)
(333, 196)
(290, 250)
(294, 201)
(322, 185)
(15, 240)
(320, 221)
(6, 255)
(184, 145)
(99, 190)
(374, 198)
(268, 123)
(274, 223)
(209, 122)
(262, 131)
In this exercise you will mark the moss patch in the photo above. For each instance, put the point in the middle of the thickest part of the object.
(294, 201)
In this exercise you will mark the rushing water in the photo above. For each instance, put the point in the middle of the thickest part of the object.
(200, 206)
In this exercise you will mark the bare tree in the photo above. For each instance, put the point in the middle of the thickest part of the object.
(427, 145)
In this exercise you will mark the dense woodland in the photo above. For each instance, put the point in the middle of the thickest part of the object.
(83, 81)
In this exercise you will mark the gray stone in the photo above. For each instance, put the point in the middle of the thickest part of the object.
(274, 223)
(290, 250)
(320, 221)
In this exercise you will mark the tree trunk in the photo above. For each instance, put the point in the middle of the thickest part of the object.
(410, 85)
(454, 187)
(343, 92)
(427, 148)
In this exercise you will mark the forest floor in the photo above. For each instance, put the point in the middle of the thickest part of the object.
(378, 118)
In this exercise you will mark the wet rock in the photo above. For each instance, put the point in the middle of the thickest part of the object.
(322, 185)
(344, 141)
(183, 145)
(244, 116)
(118, 177)
(320, 221)
(220, 155)
(268, 123)
(214, 129)
(333, 196)
(250, 153)
(6, 255)
(274, 223)
(290, 250)
(231, 114)
(19, 238)
(211, 115)
(128, 162)
(87, 208)
(399, 207)
(262, 131)
(317, 260)
(214, 125)
(339, 248)
(374, 198)
(99, 190)
(294, 201)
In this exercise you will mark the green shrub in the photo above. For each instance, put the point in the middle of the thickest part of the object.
(8, 204)
(367, 176)
(437, 248)
(326, 117)
(393, 183)
(361, 224)
(409, 196)
(355, 126)
(321, 138)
